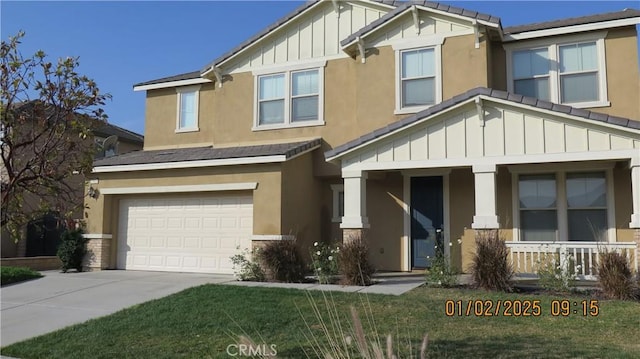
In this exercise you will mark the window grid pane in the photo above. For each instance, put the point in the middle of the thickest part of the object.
(530, 63)
(271, 87)
(304, 108)
(304, 83)
(578, 57)
(271, 112)
(579, 87)
(418, 92)
(418, 63)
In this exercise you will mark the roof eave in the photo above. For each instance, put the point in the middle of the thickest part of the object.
(571, 29)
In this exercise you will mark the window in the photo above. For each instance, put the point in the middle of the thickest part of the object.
(338, 202)
(187, 117)
(570, 72)
(538, 212)
(418, 77)
(586, 206)
(563, 206)
(289, 99)
(531, 73)
(418, 71)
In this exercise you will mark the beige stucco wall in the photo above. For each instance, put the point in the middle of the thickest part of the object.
(463, 66)
(160, 119)
(623, 78)
(623, 205)
(386, 216)
(301, 198)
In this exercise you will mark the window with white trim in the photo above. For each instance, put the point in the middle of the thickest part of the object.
(563, 206)
(289, 99)
(187, 115)
(571, 72)
(418, 78)
(338, 202)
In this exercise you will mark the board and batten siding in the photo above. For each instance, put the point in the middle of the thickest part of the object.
(316, 35)
(404, 28)
(506, 132)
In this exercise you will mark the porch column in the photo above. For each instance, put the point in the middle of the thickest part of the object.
(485, 192)
(635, 193)
(355, 220)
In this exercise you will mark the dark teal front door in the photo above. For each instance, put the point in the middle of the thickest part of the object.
(427, 219)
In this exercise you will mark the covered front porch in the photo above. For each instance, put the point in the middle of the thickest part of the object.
(550, 182)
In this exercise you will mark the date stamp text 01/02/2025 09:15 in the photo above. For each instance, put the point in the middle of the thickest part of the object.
(520, 308)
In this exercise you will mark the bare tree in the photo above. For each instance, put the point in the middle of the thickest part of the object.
(48, 112)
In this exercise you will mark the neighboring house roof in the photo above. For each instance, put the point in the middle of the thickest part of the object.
(123, 134)
(185, 76)
(482, 91)
(103, 129)
(287, 150)
(428, 4)
(618, 15)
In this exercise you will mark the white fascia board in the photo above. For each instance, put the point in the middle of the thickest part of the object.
(242, 186)
(459, 17)
(559, 114)
(168, 84)
(571, 29)
(191, 164)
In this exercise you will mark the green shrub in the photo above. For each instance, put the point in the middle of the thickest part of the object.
(490, 267)
(441, 273)
(354, 264)
(615, 276)
(324, 262)
(11, 275)
(72, 249)
(283, 262)
(246, 268)
(557, 271)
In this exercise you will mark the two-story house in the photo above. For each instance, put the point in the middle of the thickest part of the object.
(411, 123)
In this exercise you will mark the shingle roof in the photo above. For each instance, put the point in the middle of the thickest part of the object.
(208, 153)
(624, 14)
(402, 6)
(185, 76)
(122, 133)
(502, 95)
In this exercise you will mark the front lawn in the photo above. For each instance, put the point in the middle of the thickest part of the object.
(17, 274)
(199, 323)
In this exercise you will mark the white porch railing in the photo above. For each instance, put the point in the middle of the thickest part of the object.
(526, 257)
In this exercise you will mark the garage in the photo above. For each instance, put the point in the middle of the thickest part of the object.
(183, 234)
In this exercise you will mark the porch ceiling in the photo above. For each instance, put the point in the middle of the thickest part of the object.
(485, 125)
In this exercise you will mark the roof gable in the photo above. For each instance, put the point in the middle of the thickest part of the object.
(440, 14)
(509, 125)
(313, 30)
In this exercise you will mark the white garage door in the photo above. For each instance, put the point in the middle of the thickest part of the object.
(183, 234)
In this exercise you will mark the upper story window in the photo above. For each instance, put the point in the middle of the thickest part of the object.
(572, 71)
(418, 74)
(290, 98)
(418, 77)
(187, 116)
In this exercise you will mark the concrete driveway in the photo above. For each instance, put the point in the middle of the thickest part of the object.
(58, 300)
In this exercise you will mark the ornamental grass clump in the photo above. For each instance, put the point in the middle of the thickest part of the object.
(283, 262)
(354, 264)
(490, 268)
(615, 276)
(338, 335)
(324, 262)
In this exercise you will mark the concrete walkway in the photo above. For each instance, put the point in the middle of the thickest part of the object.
(58, 300)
